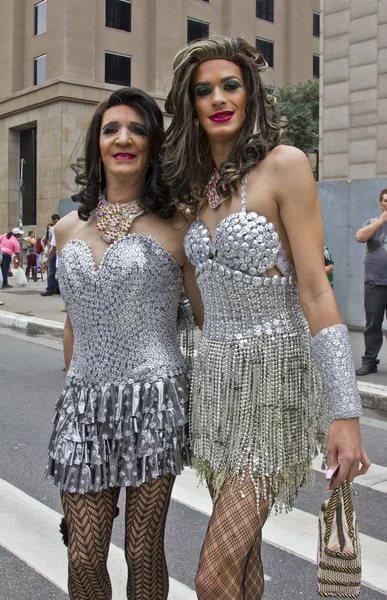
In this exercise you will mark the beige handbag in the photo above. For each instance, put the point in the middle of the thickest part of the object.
(338, 553)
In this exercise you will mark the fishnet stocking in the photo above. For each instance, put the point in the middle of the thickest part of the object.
(230, 565)
(146, 512)
(90, 520)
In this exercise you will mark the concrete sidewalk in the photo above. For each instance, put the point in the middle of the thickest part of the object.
(25, 308)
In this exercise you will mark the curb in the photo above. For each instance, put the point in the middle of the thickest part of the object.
(373, 396)
(32, 325)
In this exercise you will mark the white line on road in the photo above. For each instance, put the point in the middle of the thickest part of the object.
(295, 532)
(30, 530)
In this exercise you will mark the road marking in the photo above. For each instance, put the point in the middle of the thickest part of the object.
(295, 532)
(24, 518)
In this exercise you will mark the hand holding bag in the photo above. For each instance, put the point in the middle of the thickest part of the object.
(338, 553)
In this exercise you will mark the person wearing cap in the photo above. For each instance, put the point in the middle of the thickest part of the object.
(9, 244)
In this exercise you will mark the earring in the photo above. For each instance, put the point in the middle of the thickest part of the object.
(100, 174)
(196, 126)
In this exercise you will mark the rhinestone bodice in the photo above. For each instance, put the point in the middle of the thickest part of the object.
(124, 312)
(239, 298)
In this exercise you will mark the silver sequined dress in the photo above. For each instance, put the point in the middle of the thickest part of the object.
(122, 417)
(258, 407)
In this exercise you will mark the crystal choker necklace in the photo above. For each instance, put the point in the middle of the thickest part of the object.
(212, 195)
(114, 220)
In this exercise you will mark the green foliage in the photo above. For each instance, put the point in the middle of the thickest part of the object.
(299, 105)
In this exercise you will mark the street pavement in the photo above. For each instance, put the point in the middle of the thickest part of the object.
(32, 557)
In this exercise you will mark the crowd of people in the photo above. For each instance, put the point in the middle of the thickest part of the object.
(37, 254)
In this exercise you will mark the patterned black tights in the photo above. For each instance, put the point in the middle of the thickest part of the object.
(90, 521)
(230, 566)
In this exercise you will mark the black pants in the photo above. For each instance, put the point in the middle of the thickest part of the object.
(5, 266)
(375, 306)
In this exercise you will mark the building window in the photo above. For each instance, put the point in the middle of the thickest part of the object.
(267, 49)
(316, 66)
(118, 68)
(316, 24)
(118, 14)
(40, 69)
(40, 17)
(197, 30)
(27, 174)
(264, 9)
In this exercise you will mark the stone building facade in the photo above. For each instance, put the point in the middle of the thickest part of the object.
(354, 89)
(59, 58)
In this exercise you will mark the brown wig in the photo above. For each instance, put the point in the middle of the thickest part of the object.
(188, 161)
(155, 195)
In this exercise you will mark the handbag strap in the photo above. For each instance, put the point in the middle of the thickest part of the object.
(340, 495)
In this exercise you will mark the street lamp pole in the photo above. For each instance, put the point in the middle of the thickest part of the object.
(21, 186)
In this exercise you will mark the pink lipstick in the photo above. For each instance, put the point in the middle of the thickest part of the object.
(124, 156)
(222, 117)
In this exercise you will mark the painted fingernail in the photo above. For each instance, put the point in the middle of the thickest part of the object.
(329, 474)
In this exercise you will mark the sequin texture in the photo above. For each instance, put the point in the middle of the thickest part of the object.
(331, 348)
(257, 402)
(122, 417)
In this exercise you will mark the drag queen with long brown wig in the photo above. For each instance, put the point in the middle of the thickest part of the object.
(263, 390)
(121, 421)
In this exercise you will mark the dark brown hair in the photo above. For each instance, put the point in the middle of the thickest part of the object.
(382, 194)
(155, 195)
(188, 161)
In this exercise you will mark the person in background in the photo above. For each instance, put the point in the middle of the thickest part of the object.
(329, 265)
(52, 282)
(9, 245)
(31, 254)
(374, 233)
(46, 248)
(39, 251)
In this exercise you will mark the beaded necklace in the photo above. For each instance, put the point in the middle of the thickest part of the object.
(212, 195)
(114, 220)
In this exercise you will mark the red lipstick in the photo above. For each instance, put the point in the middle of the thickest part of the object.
(222, 117)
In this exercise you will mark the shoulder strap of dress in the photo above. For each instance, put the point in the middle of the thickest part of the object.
(243, 195)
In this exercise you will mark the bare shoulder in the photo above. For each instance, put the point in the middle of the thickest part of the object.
(287, 158)
(64, 228)
(63, 225)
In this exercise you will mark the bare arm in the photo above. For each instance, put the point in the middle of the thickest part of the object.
(68, 343)
(193, 294)
(301, 215)
(329, 269)
(365, 233)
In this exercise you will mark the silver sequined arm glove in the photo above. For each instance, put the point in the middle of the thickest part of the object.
(331, 349)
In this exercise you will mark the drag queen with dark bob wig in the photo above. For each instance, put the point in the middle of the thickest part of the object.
(274, 366)
(121, 421)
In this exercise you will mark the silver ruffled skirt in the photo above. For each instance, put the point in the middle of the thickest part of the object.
(118, 434)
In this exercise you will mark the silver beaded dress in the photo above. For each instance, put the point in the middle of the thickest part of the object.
(257, 404)
(122, 417)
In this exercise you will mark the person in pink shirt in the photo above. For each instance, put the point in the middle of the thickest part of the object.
(9, 244)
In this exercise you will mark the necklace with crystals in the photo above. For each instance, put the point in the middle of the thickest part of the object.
(115, 220)
(212, 195)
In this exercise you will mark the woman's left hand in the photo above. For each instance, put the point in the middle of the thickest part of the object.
(345, 448)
